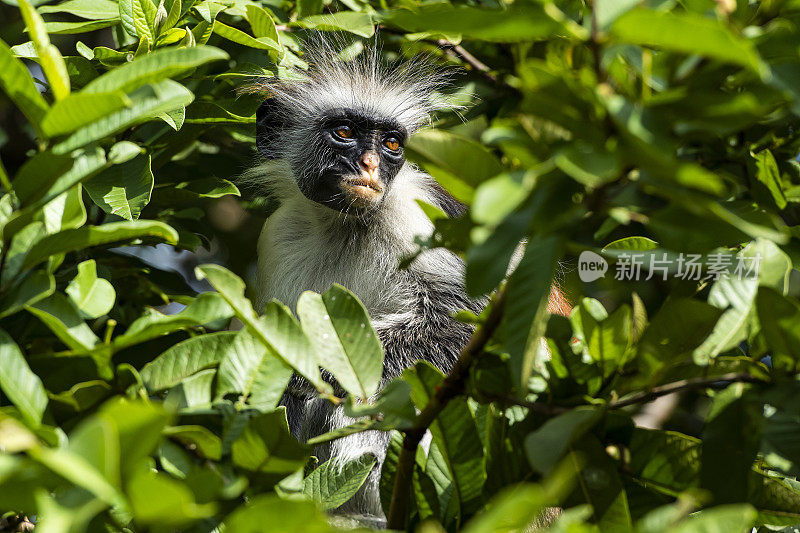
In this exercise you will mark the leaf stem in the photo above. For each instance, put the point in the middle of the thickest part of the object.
(451, 387)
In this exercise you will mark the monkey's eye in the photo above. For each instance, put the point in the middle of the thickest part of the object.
(344, 132)
(392, 144)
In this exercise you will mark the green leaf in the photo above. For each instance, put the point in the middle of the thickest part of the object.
(526, 305)
(332, 483)
(50, 58)
(267, 446)
(207, 308)
(78, 110)
(154, 67)
(687, 33)
(548, 444)
(70, 28)
(65, 211)
(78, 471)
(147, 103)
(306, 8)
(19, 384)
(267, 513)
(521, 22)
(47, 175)
(731, 440)
(678, 328)
(261, 23)
(87, 236)
(498, 197)
(768, 174)
(202, 439)
(62, 317)
(124, 189)
(38, 285)
(17, 83)
(158, 499)
(455, 434)
(349, 21)
(780, 324)
(240, 37)
(720, 519)
(186, 358)
(93, 296)
(600, 485)
(88, 9)
(247, 367)
(339, 328)
(277, 329)
(459, 164)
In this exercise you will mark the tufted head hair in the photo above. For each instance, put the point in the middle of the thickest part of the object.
(404, 92)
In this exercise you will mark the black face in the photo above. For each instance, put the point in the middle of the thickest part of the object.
(348, 163)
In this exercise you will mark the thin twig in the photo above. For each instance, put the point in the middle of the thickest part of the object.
(451, 387)
(680, 386)
(468, 58)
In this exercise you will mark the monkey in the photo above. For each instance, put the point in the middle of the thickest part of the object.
(331, 143)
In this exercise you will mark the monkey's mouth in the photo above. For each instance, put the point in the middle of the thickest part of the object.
(364, 189)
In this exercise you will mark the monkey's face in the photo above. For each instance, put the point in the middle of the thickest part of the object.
(344, 159)
(352, 161)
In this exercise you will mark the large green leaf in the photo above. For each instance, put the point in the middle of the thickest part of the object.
(267, 513)
(78, 110)
(528, 291)
(688, 33)
(207, 308)
(186, 358)
(87, 236)
(548, 444)
(19, 384)
(46, 176)
(156, 498)
(356, 23)
(240, 37)
(250, 369)
(720, 519)
(458, 163)
(277, 328)
(521, 22)
(123, 189)
(455, 434)
(36, 286)
(18, 84)
(339, 328)
(50, 59)
(332, 484)
(780, 325)
(88, 9)
(65, 321)
(147, 103)
(93, 296)
(153, 67)
(267, 446)
(261, 23)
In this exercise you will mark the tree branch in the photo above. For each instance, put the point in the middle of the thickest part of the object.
(468, 58)
(680, 386)
(451, 387)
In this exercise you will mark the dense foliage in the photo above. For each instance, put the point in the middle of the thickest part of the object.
(658, 133)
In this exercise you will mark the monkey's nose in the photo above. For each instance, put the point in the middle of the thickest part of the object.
(369, 162)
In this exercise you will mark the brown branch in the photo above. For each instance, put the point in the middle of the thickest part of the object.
(451, 387)
(680, 386)
(468, 58)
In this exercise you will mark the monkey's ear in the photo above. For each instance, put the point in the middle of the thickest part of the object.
(268, 127)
